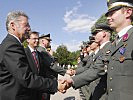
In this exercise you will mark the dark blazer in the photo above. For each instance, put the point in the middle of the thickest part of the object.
(42, 70)
(50, 65)
(37, 95)
(16, 75)
(120, 71)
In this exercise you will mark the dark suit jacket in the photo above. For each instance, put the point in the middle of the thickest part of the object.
(50, 65)
(120, 73)
(16, 75)
(37, 95)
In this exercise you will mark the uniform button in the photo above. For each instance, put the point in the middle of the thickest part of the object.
(111, 90)
(105, 59)
(112, 68)
(110, 78)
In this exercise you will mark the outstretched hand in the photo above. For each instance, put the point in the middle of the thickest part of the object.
(70, 72)
(64, 83)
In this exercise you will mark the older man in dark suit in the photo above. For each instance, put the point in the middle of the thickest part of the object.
(16, 76)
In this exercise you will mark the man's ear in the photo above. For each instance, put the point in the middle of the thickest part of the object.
(12, 25)
(104, 34)
(27, 40)
(129, 12)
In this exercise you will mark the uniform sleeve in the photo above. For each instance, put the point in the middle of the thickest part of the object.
(91, 74)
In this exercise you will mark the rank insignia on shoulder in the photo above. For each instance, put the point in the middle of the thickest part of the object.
(121, 59)
(107, 52)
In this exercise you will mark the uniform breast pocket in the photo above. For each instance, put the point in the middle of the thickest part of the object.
(127, 64)
(128, 56)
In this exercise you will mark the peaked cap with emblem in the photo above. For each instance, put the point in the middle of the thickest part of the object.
(45, 36)
(117, 4)
(100, 27)
(91, 40)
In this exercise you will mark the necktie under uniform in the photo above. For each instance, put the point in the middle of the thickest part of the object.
(117, 39)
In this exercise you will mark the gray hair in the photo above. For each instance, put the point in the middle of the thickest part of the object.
(14, 16)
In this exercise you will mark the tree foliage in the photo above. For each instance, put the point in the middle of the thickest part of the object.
(66, 57)
(25, 44)
(103, 20)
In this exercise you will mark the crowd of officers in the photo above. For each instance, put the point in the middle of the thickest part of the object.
(98, 43)
(108, 70)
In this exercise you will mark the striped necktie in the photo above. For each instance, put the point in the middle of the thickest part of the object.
(35, 59)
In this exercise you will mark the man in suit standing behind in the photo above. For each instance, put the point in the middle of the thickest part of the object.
(50, 64)
(16, 76)
(49, 60)
(35, 59)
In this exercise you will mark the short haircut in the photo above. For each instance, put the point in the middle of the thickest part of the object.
(32, 32)
(14, 16)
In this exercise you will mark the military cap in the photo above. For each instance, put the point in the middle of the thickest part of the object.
(45, 36)
(117, 4)
(91, 40)
(100, 27)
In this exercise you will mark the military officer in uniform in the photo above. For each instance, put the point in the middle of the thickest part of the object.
(120, 68)
(96, 73)
(85, 64)
(102, 35)
(50, 64)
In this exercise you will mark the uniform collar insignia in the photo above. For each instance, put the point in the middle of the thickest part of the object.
(125, 37)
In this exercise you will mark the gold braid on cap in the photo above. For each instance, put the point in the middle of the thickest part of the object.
(119, 4)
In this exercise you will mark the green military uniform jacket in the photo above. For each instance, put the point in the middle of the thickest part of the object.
(120, 69)
(95, 71)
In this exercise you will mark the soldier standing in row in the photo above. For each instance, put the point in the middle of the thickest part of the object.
(120, 68)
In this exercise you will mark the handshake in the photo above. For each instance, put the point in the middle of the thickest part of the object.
(66, 82)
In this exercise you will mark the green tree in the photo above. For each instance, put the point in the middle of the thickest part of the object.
(25, 44)
(66, 57)
(62, 55)
(73, 57)
(103, 20)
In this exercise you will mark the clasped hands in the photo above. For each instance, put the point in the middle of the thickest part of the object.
(64, 84)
